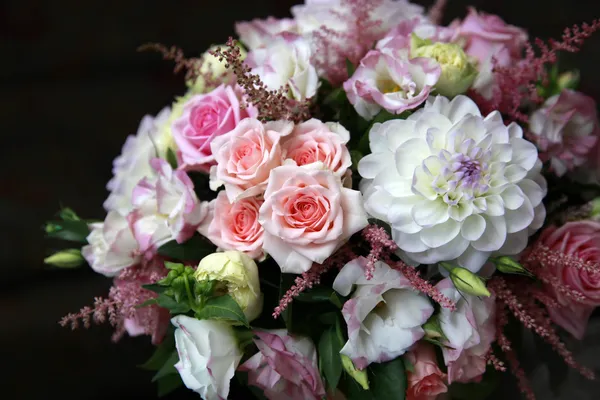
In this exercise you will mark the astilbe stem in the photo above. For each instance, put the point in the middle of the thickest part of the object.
(516, 84)
(494, 361)
(515, 297)
(271, 104)
(103, 309)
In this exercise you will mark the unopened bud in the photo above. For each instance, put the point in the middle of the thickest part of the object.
(467, 282)
(70, 258)
(360, 376)
(507, 265)
(433, 329)
(568, 80)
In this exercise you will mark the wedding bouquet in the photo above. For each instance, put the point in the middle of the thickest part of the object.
(356, 202)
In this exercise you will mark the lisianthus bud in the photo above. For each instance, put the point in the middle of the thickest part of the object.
(69, 258)
(239, 274)
(467, 282)
(458, 69)
(507, 265)
(432, 328)
(211, 64)
(568, 80)
(360, 376)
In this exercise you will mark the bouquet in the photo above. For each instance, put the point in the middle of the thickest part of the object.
(354, 203)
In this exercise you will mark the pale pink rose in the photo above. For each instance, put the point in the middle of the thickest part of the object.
(261, 32)
(399, 37)
(235, 226)
(246, 155)
(286, 62)
(493, 42)
(307, 215)
(314, 141)
(285, 367)
(388, 79)
(426, 382)
(205, 117)
(470, 331)
(150, 320)
(385, 314)
(112, 246)
(165, 208)
(579, 239)
(565, 130)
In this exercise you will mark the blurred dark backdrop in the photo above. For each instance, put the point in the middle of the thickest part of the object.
(72, 88)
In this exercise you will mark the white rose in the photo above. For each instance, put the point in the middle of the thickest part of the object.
(208, 355)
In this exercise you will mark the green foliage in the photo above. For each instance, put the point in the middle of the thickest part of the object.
(70, 227)
(172, 158)
(330, 362)
(161, 354)
(223, 308)
(388, 380)
(196, 248)
(476, 390)
(162, 363)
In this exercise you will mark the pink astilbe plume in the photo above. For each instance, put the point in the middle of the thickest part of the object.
(436, 11)
(271, 104)
(313, 277)
(121, 304)
(513, 295)
(333, 48)
(516, 84)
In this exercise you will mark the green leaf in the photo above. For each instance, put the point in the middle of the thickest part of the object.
(329, 318)
(147, 303)
(337, 300)
(168, 384)
(350, 68)
(329, 357)
(286, 281)
(74, 231)
(170, 304)
(245, 337)
(195, 248)
(172, 158)
(223, 308)
(388, 380)
(161, 354)
(315, 295)
(155, 288)
(168, 367)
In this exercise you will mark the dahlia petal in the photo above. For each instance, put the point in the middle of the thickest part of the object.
(440, 234)
(473, 227)
(473, 259)
(513, 197)
(494, 235)
(429, 213)
(520, 218)
(409, 155)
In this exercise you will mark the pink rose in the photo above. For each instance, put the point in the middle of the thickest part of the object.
(470, 331)
(262, 32)
(388, 79)
(489, 35)
(150, 320)
(285, 367)
(565, 130)
(165, 208)
(314, 141)
(490, 39)
(579, 239)
(246, 155)
(426, 382)
(111, 245)
(235, 226)
(205, 117)
(307, 215)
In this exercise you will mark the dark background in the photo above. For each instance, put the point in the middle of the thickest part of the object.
(72, 88)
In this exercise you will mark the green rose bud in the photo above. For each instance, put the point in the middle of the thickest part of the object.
(360, 376)
(69, 258)
(458, 70)
(238, 276)
(507, 265)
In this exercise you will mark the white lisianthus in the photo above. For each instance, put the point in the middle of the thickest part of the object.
(133, 163)
(286, 61)
(208, 355)
(454, 185)
(384, 316)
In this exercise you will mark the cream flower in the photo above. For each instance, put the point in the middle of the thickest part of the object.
(454, 185)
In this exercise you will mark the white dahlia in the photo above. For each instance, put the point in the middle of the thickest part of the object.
(453, 185)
